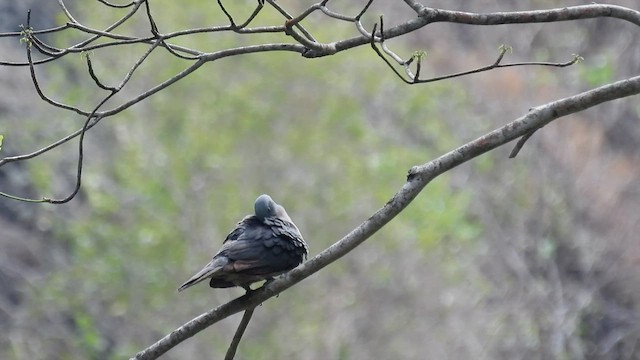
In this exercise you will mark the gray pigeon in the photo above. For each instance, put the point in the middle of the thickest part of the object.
(261, 246)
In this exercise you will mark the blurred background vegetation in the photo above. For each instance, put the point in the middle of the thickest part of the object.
(532, 258)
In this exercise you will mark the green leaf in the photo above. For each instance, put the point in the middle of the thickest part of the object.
(26, 32)
(419, 55)
(503, 48)
(1, 138)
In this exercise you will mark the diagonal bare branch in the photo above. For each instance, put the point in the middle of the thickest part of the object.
(418, 178)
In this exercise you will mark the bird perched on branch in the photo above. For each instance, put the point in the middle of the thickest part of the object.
(261, 246)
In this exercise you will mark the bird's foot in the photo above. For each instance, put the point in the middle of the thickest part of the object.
(269, 281)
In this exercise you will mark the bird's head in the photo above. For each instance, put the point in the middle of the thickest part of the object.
(265, 207)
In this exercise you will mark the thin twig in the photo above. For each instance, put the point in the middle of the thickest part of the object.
(414, 79)
(66, 12)
(34, 78)
(49, 147)
(76, 189)
(294, 22)
(520, 144)
(111, 27)
(45, 48)
(381, 56)
(116, 5)
(228, 15)
(231, 352)
(152, 22)
(43, 31)
(364, 10)
(238, 28)
(94, 76)
(137, 64)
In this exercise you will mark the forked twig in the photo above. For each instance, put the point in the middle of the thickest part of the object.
(419, 56)
(246, 23)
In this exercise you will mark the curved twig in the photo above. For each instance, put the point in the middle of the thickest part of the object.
(516, 149)
(116, 5)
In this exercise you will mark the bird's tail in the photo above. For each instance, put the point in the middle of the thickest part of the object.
(208, 271)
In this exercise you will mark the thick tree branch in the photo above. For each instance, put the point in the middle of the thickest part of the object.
(431, 15)
(427, 15)
(419, 176)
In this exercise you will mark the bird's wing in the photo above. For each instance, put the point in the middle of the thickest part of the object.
(241, 227)
(263, 248)
(216, 265)
(288, 235)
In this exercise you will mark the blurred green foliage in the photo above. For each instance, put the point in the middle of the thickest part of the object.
(599, 73)
(331, 139)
